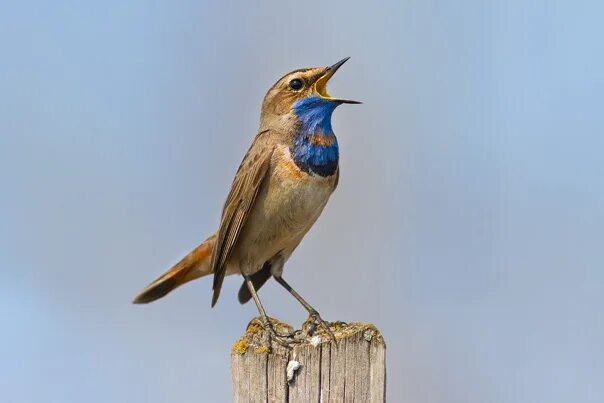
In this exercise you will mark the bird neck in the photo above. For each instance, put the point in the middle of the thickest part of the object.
(315, 148)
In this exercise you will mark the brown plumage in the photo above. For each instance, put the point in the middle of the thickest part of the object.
(196, 264)
(274, 198)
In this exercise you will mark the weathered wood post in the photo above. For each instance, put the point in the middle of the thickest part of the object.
(314, 370)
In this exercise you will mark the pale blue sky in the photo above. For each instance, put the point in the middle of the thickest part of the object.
(467, 224)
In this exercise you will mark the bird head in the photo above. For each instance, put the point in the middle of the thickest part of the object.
(301, 90)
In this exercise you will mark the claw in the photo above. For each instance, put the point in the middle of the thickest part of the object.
(284, 340)
(317, 320)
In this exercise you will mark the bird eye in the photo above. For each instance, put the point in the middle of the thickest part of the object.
(296, 84)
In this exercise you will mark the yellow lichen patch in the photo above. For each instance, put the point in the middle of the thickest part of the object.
(256, 340)
(343, 330)
(368, 331)
(254, 327)
(263, 350)
(241, 346)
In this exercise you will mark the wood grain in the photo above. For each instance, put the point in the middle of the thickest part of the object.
(353, 369)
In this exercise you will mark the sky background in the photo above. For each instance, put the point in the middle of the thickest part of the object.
(467, 225)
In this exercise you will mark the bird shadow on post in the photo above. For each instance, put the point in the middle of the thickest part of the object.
(315, 369)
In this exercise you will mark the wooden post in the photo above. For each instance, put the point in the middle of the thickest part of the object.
(314, 370)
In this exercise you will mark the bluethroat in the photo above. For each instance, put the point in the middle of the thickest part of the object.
(279, 191)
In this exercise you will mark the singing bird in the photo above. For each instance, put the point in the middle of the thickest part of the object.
(279, 191)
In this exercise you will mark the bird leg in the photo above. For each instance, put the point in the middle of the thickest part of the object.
(313, 314)
(285, 341)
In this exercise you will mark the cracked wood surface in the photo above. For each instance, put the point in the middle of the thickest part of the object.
(351, 370)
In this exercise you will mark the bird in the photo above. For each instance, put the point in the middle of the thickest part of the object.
(280, 189)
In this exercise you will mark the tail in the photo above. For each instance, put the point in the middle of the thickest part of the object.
(196, 264)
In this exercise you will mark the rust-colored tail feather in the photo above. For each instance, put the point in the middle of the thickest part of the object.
(196, 264)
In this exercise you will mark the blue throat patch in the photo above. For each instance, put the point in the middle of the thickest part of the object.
(315, 145)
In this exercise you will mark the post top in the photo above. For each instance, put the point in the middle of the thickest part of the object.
(256, 337)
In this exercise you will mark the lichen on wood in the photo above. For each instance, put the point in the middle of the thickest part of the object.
(353, 368)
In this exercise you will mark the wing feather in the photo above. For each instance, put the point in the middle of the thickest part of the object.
(239, 203)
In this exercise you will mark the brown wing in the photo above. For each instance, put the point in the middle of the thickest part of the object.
(240, 201)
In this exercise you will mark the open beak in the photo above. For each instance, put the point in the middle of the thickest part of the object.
(321, 83)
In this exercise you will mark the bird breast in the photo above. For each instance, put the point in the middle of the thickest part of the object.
(301, 195)
(288, 204)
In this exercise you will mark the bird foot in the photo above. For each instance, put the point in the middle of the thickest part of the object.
(272, 335)
(314, 320)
